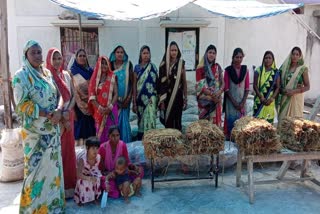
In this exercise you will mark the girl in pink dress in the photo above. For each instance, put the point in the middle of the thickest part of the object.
(90, 181)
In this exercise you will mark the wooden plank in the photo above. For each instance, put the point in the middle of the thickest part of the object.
(250, 181)
(283, 169)
(285, 157)
(285, 180)
(4, 64)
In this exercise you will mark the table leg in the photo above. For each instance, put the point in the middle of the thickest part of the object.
(250, 180)
(239, 168)
(284, 168)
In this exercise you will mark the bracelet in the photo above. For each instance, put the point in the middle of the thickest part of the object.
(110, 106)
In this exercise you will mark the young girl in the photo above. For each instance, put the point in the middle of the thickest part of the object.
(126, 182)
(89, 176)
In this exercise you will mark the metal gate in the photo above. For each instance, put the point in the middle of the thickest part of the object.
(70, 43)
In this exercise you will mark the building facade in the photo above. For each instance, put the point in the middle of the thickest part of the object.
(194, 27)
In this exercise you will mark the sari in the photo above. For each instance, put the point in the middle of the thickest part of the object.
(43, 188)
(102, 92)
(84, 122)
(266, 86)
(291, 106)
(146, 97)
(208, 109)
(65, 87)
(108, 163)
(170, 90)
(236, 82)
(124, 88)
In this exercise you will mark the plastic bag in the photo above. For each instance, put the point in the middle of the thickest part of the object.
(104, 199)
(12, 159)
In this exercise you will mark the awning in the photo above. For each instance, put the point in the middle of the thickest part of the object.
(131, 10)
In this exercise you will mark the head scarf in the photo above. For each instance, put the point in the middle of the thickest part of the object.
(207, 66)
(35, 73)
(286, 64)
(141, 49)
(85, 71)
(25, 61)
(95, 79)
(62, 87)
(166, 57)
(113, 55)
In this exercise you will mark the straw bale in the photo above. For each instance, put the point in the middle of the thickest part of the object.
(299, 135)
(160, 143)
(255, 136)
(203, 137)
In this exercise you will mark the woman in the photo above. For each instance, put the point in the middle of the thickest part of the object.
(122, 68)
(110, 152)
(209, 87)
(37, 103)
(145, 102)
(294, 82)
(65, 86)
(84, 123)
(236, 79)
(266, 85)
(103, 95)
(172, 88)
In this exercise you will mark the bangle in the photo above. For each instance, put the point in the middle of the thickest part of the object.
(110, 106)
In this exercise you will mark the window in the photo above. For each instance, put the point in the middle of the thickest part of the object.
(70, 43)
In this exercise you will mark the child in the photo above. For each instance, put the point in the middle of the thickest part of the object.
(124, 175)
(89, 176)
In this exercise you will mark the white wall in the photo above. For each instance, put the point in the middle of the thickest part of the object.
(278, 34)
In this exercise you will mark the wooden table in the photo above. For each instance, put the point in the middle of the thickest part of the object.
(286, 156)
(214, 173)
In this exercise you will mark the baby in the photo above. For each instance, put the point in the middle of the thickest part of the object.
(126, 178)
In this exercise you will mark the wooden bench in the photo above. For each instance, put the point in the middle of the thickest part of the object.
(286, 156)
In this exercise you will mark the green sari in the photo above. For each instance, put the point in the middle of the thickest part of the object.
(291, 106)
(266, 82)
(43, 188)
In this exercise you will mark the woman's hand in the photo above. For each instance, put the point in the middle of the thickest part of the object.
(102, 110)
(126, 102)
(162, 106)
(289, 92)
(66, 115)
(268, 101)
(134, 108)
(107, 186)
(216, 98)
(56, 116)
(185, 104)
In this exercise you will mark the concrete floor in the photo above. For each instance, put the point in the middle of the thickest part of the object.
(200, 196)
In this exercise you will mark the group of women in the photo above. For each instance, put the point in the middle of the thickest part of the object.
(58, 108)
(277, 91)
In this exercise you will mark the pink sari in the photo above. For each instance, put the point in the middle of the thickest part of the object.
(108, 163)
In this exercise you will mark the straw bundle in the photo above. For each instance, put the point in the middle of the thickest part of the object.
(204, 137)
(255, 136)
(298, 134)
(163, 143)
